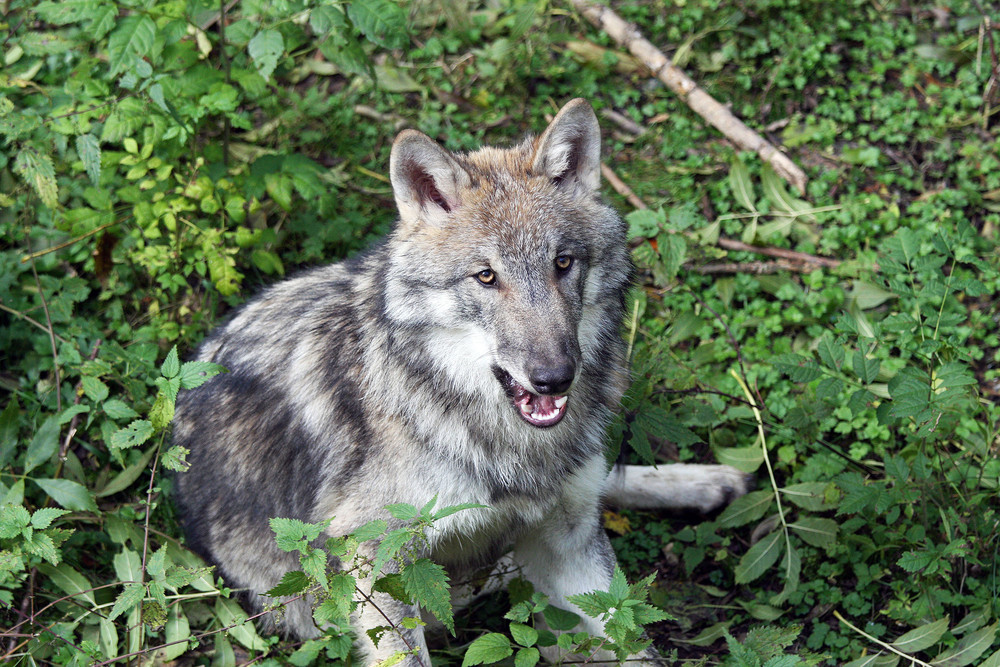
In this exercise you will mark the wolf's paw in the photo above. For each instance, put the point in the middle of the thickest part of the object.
(721, 485)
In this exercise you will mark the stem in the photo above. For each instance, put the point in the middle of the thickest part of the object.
(767, 461)
(880, 643)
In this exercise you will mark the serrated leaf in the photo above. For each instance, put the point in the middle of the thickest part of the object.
(196, 373)
(759, 558)
(403, 511)
(290, 584)
(370, 531)
(797, 367)
(131, 595)
(89, 150)
(914, 561)
(829, 388)
(380, 21)
(452, 509)
(292, 534)
(739, 182)
(527, 657)
(818, 532)
(745, 509)
(427, 583)
(968, 648)
(43, 445)
(94, 389)
(68, 494)
(525, 635)
(118, 409)
(923, 637)
(38, 170)
(866, 369)
(43, 518)
(171, 365)
(133, 435)
(264, 49)
(389, 547)
(132, 40)
(831, 352)
(491, 647)
(561, 619)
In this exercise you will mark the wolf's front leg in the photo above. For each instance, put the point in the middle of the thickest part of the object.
(676, 486)
(383, 612)
(569, 553)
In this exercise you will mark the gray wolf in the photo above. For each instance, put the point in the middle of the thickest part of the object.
(475, 354)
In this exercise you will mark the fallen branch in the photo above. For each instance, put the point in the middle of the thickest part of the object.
(748, 267)
(783, 253)
(621, 188)
(683, 86)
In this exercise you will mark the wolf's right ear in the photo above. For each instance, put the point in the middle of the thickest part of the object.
(426, 180)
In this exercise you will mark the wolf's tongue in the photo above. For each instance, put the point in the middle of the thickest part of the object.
(539, 410)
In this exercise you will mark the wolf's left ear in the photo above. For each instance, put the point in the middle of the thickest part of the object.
(570, 150)
(426, 180)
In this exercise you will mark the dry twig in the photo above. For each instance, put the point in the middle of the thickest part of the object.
(682, 85)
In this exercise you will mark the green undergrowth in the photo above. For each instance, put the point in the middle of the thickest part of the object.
(162, 160)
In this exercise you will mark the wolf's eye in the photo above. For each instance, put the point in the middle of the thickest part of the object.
(563, 262)
(486, 277)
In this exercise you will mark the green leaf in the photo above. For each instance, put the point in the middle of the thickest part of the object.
(176, 629)
(265, 48)
(128, 566)
(370, 531)
(124, 479)
(527, 657)
(739, 182)
(69, 581)
(89, 150)
(295, 535)
(818, 532)
(746, 459)
(94, 389)
(644, 223)
(525, 635)
(709, 635)
(914, 561)
(69, 494)
(831, 352)
(292, 583)
(486, 650)
(427, 583)
(39, 172)
(132, 40)
(381, 21)
(230, 613)
(923, 637)
(389, 547)
(43, 518)
(452, 509)
(133, 435)
(8, 430)
(43, 446)
(781, 200)
(759, 558)
(797, 367)
(968, 648)
(745, 509)
(403, 511)
(171, 364)
(196, 373)
(808, 495)
(869, 296)
(118, 410)
(992, 661)
(560, 619)
(131, 595)
(866, 369)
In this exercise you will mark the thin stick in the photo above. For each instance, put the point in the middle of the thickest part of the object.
(684, 87)
(624, 122)
(30, 320)
(64, 244)
(621, 188)
(880, 643)
(52, 338)
(783, 253)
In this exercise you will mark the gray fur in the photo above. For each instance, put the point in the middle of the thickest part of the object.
(389, 377)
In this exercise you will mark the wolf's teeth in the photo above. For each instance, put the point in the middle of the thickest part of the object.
(561, 401)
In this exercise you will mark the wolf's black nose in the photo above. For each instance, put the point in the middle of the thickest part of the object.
(554, 379)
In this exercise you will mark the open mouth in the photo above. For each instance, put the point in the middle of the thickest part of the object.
(537, 410)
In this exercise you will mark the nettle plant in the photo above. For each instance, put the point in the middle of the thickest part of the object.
(400, 569)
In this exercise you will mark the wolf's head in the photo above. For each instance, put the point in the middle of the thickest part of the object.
(511, 263)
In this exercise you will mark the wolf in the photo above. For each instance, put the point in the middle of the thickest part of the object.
(475, 355)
